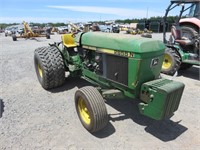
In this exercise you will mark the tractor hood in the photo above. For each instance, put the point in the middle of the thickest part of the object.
(120, 42)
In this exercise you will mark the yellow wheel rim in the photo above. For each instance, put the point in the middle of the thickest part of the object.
(167, 63)
(40, 71)
(83, 111)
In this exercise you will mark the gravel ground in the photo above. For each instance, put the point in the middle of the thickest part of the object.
(37, 119)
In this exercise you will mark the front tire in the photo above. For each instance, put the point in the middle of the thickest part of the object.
(91, 109)
(171, 62)
(49, 67)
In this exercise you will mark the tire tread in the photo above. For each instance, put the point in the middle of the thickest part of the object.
(53, 66)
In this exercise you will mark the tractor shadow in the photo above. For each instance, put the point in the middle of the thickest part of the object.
(37, 39)
(193, 73)
(105, 132)
(70, 83)
(1, 107)
(165, 130)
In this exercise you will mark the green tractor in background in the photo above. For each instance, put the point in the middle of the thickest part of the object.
(118, 65)
(183, 49)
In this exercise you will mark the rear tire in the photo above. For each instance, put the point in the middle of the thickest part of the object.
(171, 62)
(91, 109)
(188, 32)
(14, 37)
(49, 67)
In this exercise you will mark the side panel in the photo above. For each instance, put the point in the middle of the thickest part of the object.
(144, 70)
(117, 69)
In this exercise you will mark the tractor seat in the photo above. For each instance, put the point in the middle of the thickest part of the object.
(68, 40)
(177, 35)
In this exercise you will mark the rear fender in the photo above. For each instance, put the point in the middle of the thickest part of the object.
(194, 22)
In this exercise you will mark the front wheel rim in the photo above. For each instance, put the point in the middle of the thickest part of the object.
(40, 71)
(167, 63)
(83, 111)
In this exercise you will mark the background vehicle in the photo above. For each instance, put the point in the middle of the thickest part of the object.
(183, 46)
(118, 66)
(15, 29)
(10, 30)
(105, 28)
(62, 30)
(115, 29)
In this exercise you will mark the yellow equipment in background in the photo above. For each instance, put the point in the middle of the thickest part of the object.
(28, 33)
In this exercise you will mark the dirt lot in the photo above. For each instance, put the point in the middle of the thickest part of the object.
(37, 119)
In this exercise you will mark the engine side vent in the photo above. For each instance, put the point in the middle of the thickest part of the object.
(117, 69)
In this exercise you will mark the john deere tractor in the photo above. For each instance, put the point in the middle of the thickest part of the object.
(183, 49)
(117, 66)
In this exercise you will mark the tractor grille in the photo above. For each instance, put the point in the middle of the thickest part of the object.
(117, 69)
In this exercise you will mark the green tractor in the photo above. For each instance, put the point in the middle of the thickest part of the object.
(183, 49)
(117, 66)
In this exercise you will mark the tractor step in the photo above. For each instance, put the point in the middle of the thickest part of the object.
(112, 93)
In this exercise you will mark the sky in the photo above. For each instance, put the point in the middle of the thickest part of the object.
(44, 11)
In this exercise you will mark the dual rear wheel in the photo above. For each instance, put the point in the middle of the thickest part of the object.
(49, 67)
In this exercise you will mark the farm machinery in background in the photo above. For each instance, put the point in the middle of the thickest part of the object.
(28, 32)
(118, 66)
(134, 30)
(144, 33)
(69, 28)
(183, 49)
(73, 28)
